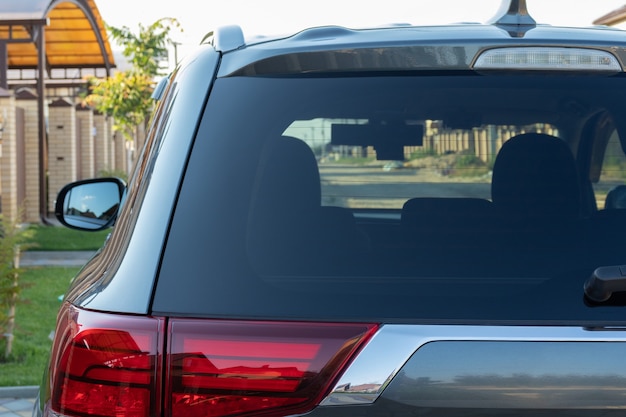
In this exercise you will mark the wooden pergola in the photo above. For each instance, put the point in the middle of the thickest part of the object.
(46, 39)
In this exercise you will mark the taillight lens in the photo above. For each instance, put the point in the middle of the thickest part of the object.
(105, 364)
(109, 365)
(228, 368)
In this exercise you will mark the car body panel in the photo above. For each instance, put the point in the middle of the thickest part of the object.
(438, 48)
(119, 277)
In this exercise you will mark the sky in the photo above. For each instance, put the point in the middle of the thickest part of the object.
(278, 17)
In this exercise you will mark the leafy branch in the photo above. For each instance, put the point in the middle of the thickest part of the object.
(126, 96)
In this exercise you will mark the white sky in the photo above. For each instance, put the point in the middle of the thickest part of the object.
(273, 17)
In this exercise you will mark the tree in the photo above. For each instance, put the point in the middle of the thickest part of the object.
(126, 96)
(146, 49)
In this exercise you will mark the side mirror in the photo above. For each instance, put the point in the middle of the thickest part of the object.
(90, 205)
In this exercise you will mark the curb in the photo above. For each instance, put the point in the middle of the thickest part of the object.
(27, 391)
(54, 258)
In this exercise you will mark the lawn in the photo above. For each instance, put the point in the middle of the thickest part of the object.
(35, 320)
(58, 238)
(36, 315)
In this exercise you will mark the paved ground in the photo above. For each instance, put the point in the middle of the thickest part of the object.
(18, 401)
(16, 407)
(43, 258)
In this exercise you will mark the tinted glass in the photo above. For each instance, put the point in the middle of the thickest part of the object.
(610, 189)
(460, 197)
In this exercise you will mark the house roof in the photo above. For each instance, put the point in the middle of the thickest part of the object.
(612, 18)
(75, 35)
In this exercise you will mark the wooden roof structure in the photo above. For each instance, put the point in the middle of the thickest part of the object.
(71, 33)
(43, 36)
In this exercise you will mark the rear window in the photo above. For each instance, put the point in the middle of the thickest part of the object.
(397, 197)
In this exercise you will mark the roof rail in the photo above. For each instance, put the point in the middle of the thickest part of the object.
(225, 38)
(513, 16)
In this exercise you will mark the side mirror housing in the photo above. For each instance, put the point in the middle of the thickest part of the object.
(90, 205)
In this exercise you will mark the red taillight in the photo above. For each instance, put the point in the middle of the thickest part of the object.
(227, 368)
(109, 365)
(105, 364)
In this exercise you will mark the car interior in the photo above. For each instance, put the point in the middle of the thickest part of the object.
(335, 210)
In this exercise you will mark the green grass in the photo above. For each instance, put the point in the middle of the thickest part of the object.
(36, 316)
(422, 153)
(59, 238)
(35, 319)
(468, 172)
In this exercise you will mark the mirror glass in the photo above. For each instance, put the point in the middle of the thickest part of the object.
(92, 205)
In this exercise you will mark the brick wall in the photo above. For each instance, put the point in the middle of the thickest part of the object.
(8, 158)
(102, 146)
(61, 148)
(27, 100)
(85, 143)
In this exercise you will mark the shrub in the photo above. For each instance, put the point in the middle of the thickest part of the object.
(13, 238)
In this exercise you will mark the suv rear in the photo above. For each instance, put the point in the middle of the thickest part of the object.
(393, 221)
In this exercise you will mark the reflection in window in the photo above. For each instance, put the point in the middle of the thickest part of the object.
(353, 176)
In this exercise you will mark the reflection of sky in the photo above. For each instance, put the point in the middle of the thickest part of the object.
(95, 197)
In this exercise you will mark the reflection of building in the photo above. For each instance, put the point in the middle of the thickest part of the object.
(110, 212)
(72, 211)
(106, 215)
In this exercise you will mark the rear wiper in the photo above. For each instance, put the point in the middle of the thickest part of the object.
(605, 281)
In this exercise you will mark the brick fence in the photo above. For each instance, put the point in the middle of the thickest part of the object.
(81, 144)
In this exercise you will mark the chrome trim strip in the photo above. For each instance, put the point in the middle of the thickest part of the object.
(392, 346)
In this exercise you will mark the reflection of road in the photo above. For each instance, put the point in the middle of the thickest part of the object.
(372, 187)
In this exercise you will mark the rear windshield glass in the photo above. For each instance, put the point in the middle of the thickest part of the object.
(399, 197)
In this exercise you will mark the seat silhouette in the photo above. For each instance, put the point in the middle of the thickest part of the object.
(537, 194)
(535, 179)
(288, 228)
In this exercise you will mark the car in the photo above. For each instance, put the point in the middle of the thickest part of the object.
(487, 278)
(393, 165)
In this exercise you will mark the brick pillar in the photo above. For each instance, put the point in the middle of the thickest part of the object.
(61, 147)
(483, 145)
(120, 152)
(475, 139)
(85, 138)
(8, 158)
(102, 147)
(27, 100)
(468, 145)
(113, 165)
